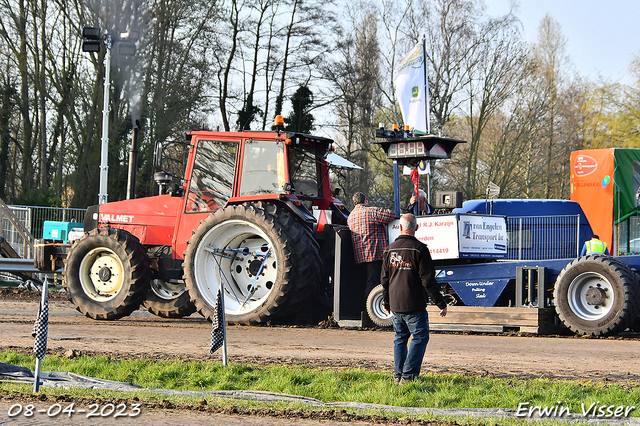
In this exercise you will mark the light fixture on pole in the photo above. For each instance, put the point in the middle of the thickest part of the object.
(92, 39)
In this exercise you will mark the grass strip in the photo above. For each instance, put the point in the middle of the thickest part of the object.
(357, 385)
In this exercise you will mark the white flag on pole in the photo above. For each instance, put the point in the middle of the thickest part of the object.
(217, 325)
(412, 89)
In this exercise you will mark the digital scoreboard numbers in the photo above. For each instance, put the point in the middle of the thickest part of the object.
(406, 150)
(415, 148)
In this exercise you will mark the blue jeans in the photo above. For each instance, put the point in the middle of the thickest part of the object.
(415, 324)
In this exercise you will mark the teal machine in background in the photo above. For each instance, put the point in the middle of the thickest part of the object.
(60, 231)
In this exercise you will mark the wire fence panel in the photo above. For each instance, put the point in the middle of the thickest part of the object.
(33, 218)
(627, 235)
(40, 214)
(11, 234)
(543, 237)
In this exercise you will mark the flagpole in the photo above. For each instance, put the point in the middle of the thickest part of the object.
(426, 83)
(36, 383)
(224, 328)
(427, 107)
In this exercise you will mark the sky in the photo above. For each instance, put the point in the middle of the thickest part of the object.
(602, 36)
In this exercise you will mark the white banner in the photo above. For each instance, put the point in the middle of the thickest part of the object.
(439, 233)
(482, 236)
(457, 236)
(412, 89)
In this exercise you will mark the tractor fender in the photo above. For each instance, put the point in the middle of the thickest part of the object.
(299, 210)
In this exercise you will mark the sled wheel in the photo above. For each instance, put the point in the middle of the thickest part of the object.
(265, 258)
(168, 299)
(596, 295)
(375, 308)
(107, 274)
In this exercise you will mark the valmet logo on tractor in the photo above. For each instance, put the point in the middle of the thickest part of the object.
(253, 213)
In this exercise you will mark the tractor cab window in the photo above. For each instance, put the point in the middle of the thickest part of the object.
(211, 181)
(303, 169)
(263, 169)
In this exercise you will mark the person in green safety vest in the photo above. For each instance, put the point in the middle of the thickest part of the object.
(594, 246)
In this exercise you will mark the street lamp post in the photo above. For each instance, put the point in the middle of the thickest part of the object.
(104, 168)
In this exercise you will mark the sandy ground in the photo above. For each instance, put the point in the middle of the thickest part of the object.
(145, 335)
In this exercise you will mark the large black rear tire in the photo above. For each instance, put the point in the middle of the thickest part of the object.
(596, 295)
(236, 244)
(107, 274)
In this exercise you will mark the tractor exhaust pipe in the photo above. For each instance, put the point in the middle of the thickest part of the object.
(133, 162)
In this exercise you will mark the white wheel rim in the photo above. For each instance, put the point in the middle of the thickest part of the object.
(101, 274)
(378, 308)
(167, 290)
(581, 294)
(237, 272)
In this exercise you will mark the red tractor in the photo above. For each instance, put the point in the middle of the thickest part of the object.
(250, 215)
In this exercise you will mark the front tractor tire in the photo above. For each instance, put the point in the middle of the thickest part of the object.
(596, 295)
(107, 274)
(236, 244)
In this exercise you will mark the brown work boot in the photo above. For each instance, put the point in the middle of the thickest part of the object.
(405, 381)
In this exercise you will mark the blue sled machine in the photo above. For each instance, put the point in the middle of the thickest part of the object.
(511, 264)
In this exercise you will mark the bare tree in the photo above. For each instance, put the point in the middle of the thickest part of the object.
(550, 54)
(395, 44)
(255, 27)
(496, 73)
(453, 44)
(15, 31)
(356, 79)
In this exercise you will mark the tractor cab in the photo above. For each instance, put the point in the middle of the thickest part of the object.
(284, 168)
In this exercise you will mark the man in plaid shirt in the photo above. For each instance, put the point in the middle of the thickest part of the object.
(369, 237)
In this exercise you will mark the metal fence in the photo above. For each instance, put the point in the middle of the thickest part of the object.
(33, 218)
(543, 237)
(530, 237)
(11, 234)
(627, 236)
(40, 214)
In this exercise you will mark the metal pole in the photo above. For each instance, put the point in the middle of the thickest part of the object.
(396, 187)
(520, 239)
(224, 327)
(429, 184)
(426, 84)
(133, 161)
(578, 238)
(102, 196)
(36, 381)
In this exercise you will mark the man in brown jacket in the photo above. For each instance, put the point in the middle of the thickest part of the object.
(407, 272)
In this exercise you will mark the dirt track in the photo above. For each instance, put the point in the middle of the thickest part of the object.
(144, 335)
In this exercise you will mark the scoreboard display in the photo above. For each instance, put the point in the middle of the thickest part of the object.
(409, 148)
(406, 149)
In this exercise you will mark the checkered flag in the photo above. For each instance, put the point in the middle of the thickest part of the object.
(217, 324)
(41, 326)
